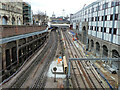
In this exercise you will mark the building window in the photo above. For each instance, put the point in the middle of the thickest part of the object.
(110, 30)
(102, 18)
(3, 6)
(112, 4)
(96, 18)
(105, 6)
(117, 4)
(97, 8)
(88, 11)
(92, 10)
(115, 31)
(116, 16)
(85, 12)
(105, 30)
(91, 28)
(111, 17)
(106, 18)
(92, 19)
(101, 29)
(97, 28)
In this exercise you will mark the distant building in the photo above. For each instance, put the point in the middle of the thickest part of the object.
(40, 19)
(59, 20)
(11, 13)
(26, 13)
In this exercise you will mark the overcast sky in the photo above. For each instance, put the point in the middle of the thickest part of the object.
(57, 6)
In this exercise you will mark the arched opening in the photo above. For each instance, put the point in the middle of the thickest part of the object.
(4, 20)
(97, 48)
(92, 44)
(13, 20)
(115, 54)
(84, 35)
(105, 51)
(19, 21)
(87, 45)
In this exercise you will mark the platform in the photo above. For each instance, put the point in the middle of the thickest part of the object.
(59, 72)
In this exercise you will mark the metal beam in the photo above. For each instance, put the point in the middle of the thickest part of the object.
(80, 59)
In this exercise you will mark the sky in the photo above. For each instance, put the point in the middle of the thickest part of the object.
(57, 6)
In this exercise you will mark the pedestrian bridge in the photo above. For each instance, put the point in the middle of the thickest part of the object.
(60, 25)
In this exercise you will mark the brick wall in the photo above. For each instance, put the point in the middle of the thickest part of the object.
(8, 31)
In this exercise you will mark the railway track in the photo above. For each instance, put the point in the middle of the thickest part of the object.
(78, 75)
(23, 77)
(90, 72)
(41, 80)
(90, 79)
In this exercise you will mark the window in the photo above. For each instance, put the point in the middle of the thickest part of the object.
(85, 12)
(106, 18)
(101, 29)
(111, 17)
(117, 3)
(110, 30)
(115, 31)
(112, 4)
(91, 28)
(96, 18)
(105, 6)
(105, 30)
(92, 19)
(102, 18)
(88, 11)
(3, 6)
(97, 8)
(116, 16)
(97, 28)
(92, 10)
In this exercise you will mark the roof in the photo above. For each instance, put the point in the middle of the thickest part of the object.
(9, 39)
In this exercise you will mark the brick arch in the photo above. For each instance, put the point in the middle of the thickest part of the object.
(92, 43)
(115, 53)
(105, 51)
(97, 47)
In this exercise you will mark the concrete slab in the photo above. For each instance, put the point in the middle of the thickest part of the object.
(59, 72)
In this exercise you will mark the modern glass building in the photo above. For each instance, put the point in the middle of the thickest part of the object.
(98, 27)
